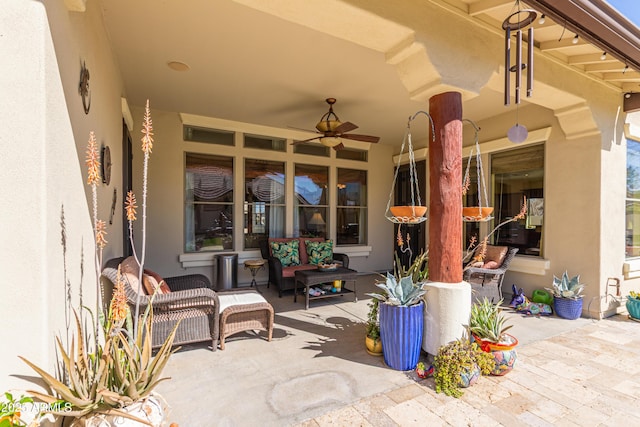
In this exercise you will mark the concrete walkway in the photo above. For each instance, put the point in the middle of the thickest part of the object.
(316, 372)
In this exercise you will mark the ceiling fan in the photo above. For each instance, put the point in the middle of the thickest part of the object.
(331, 130)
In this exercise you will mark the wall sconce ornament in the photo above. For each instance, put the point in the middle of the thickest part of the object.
(83, 88)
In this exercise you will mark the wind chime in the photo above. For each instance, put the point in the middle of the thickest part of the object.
(482, 212)
(518, 21)
(415, 212)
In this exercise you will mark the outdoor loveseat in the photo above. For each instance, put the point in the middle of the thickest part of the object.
(283, 276)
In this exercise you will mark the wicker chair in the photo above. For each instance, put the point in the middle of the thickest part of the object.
(487, 282)
(191, 300)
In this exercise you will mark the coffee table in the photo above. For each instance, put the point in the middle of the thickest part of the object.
(308, 278)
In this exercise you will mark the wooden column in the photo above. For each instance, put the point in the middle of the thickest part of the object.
(445, 198)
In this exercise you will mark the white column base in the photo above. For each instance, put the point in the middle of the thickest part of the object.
(446, 314)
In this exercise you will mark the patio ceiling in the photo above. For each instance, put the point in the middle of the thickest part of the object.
(272, 64)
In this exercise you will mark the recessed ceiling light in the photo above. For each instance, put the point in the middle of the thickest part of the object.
(178, 66)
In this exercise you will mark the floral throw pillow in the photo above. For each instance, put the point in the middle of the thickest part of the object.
(287, 252)
(319, 252)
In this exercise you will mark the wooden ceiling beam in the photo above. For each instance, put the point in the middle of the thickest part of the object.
(590, 58)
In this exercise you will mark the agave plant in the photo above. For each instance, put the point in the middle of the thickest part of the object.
(487, 321)
(567, 288)
(403, 292)
(418, 270)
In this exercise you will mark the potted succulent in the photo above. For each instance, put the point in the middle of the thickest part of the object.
(488, 327)
(372, 339)
(567, 296)
(459, 364)
(401, 311)
(633, 305)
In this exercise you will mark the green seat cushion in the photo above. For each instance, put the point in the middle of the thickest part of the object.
(319, 252)
(287, 252)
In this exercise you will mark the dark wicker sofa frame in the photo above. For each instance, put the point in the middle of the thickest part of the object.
(275, 268)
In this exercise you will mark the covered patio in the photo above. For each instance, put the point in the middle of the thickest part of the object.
(234, 87)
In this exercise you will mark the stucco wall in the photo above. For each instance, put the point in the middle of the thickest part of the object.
(42, 170)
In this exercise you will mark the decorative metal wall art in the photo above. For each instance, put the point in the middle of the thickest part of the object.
(83, 88)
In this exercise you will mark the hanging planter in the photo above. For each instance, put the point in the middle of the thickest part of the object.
(482, 212)
(415, 212)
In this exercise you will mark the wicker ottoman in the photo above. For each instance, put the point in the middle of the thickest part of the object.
(244, 310)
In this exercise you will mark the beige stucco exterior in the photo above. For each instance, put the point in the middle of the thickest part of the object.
(44, 132)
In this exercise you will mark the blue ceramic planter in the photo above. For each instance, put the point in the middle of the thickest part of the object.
(633, 307)
(568, 308)
(401, 333)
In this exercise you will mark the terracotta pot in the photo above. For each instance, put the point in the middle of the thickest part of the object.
(476, 212)
(469, 377)
(408, 211)
(374, 347)
(504, 354)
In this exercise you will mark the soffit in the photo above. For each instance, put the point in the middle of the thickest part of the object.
(600, 29)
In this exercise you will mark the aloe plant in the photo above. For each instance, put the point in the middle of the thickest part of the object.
(567, 288)
(487, 321)
(403, 292)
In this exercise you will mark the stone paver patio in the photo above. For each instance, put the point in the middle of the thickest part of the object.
(317, 373)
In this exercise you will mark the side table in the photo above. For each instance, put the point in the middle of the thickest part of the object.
(254, 265)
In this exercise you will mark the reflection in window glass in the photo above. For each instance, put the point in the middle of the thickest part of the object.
(518, 173)
(208, 203)
(310, 201)
(264, 201)
(632, 222)
(352, 207)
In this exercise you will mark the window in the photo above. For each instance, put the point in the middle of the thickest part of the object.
(264, 201)
(518, 173)
(632, 220)
(351, 226)
(311, 149)
(211, 136)
(310, 202)
(352, 154)
(208, 203)
(265, 143)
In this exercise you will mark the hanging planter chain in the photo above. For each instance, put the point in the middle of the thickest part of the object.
(482, 185)
(414, 217)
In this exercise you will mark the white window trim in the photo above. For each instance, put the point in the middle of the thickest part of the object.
(530, 265)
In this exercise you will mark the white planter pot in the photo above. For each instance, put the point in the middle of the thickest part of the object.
(152, 409)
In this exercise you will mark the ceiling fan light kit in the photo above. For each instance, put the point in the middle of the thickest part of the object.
(332, 131)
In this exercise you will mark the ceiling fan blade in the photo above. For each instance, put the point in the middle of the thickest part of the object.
(306, 140)
(363, 138)
(345, 127)
(304, 130)
(338, 147)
